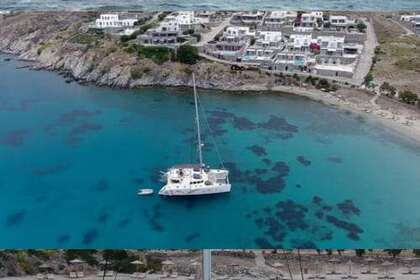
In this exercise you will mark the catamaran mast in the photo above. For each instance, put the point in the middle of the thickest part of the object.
(197, 120)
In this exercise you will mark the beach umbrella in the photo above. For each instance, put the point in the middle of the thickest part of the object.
(386, 266)
(409, 261)
(370, 261)
(168, 262)
(195, 263)
(350, 265)
(317, 267)
(137, 263)
(76, 261)
(44, 266)
(277, 265)
(334, 262)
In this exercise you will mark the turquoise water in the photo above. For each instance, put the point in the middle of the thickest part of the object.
(303, 174)
(358, 5)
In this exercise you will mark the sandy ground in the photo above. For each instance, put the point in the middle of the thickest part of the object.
(395, 116)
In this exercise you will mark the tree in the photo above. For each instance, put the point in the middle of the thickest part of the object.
(360, 252)
(187, 54)
(393, 252)
(361, 26)
(409, 97)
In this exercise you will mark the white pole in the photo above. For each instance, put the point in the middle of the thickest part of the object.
(197, 119)
(206, 264)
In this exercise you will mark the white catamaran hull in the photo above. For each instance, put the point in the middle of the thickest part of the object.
(165, 191)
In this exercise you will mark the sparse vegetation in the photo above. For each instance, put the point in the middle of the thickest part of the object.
(86, 39)
(408, 97)
(138, 72)
(187, 54)
(387, 89)
(397, 59)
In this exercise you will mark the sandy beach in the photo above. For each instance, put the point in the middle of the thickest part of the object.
(393, 115)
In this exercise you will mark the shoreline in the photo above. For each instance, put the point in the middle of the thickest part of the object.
(376, 113)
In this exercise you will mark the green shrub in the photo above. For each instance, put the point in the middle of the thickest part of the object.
(323, 84)
(361, 26)
(159, 55)
(137, 72)
(86, 39)
(187, 54)
(368, 79)
(388, 89)
(408, 97)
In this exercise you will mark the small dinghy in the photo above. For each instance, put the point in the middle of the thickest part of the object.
(144, 192)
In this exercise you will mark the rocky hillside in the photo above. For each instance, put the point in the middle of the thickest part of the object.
(60, 41)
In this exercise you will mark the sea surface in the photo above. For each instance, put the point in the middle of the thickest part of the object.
(304, 174)
(358, 5)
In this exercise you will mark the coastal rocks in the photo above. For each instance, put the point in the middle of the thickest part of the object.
(51, 39)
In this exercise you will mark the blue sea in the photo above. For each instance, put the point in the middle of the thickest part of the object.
(358, 5)
(304, 174)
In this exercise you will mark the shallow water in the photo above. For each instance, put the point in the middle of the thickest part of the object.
(358, 5)
(303, 174)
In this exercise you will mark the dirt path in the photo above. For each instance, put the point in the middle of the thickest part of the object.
(365, 62)
(209, 36)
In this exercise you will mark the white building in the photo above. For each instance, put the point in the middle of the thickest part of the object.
(279, 18)
(253, 17)
(114, 21)
(341, 21)
(267, 39)
(183, 20)
(416, 21)
(331, 45)
(171, 28)
(311, 20)
(299, 42)
(238, 32)
(291, 61)
(407, 18)
(257, 55)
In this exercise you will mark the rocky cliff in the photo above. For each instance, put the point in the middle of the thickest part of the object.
(59, 41)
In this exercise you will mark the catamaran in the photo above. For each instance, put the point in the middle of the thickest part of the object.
(195, 179)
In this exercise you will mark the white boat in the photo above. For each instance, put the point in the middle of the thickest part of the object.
(144, 192)
(195, 179)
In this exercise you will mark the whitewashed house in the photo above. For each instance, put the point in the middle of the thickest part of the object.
(268, 39)
(185, 20)
(299, 43)
(407, 18)
(416, 23)
(331, 45)
(233, 42)
(114, 21)
(252, 17)
(267, 44)
(341, 22)
(171, 28)
(307, 22)
(277, 19)
(292, 62)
